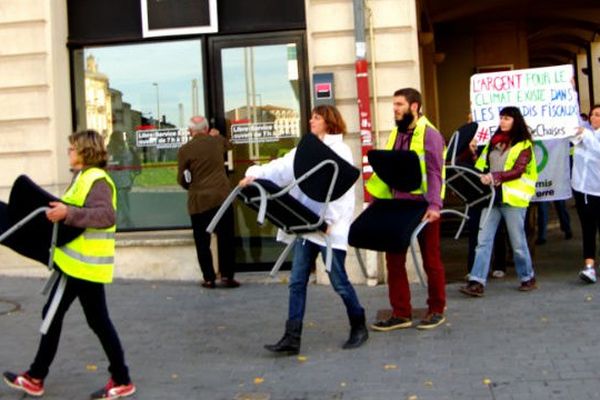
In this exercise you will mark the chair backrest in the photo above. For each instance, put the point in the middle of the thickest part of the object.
(399, 169)
(25, 197)
(460, 140)
(310, 152)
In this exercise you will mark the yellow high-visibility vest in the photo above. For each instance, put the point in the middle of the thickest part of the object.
(91, 256)
(517, 192)
(381, 190)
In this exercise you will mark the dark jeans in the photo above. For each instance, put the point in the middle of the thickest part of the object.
(305, 255)
(588, 209)
(225, 243)
(93, 301)
(543, 214)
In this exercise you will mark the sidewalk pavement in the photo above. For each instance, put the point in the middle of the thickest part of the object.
(186, 342)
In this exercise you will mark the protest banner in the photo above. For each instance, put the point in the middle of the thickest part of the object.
(552, 159)
(550, 106)
(545, 96)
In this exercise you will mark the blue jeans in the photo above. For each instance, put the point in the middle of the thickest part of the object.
(305, 255)
(514, 217)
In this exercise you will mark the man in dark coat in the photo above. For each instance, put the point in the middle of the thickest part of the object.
(201, 172)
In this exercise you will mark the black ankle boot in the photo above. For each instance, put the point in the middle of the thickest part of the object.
(290, 342)
(358, 332)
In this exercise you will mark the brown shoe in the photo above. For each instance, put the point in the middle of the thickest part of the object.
(391, 323)
(473, 289)
(431, 321)
(528, 286)
(229, 283)
(208, 284)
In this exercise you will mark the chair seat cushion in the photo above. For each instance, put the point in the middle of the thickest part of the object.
(33, 239)
(285, 212)
(387, 225)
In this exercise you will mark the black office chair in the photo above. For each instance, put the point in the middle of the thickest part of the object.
(23, 224)
(463, 179)
(25, 229)
(393, 225)
(320, 174)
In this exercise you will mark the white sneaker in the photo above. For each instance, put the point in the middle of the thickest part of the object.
(588, 274)
(498, 274)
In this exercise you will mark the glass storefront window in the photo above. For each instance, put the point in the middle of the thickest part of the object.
(262, 113)
(140, 98)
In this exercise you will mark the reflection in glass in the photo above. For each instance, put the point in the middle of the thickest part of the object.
(262, 115)
(139, 98)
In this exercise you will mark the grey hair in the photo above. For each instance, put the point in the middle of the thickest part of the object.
(198, 124)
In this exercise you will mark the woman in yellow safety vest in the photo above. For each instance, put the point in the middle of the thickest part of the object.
(508, 163)
(85, 265)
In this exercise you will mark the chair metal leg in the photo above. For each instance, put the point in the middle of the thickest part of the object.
(328, 253)
(413, 252)
(53, 246)
(213, 223)
(262, 208)
(50, 282)
(462, 223)
(282, 258)
(413, 243)
(22, 222)
(56, 298)
(361, 263)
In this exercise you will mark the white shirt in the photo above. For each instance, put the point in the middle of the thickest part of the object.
(340, 212)
(586, 163)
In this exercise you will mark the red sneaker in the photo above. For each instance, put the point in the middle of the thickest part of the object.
(114, 391)
(24, 382)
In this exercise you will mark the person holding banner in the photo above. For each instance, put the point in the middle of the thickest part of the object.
(507, 162)
(586, 189)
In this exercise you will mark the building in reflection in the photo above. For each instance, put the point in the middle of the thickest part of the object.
(98, 101)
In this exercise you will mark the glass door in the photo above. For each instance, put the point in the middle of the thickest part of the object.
(260, 102)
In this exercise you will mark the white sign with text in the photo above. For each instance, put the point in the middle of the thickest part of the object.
(545, 96)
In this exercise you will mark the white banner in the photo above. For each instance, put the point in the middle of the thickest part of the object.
(552, 157)
(545, 96)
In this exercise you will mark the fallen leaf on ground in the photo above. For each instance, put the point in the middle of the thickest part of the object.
(302, 358)
(487, 381)
(258, 380)
(390, 366)
(91, 367)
